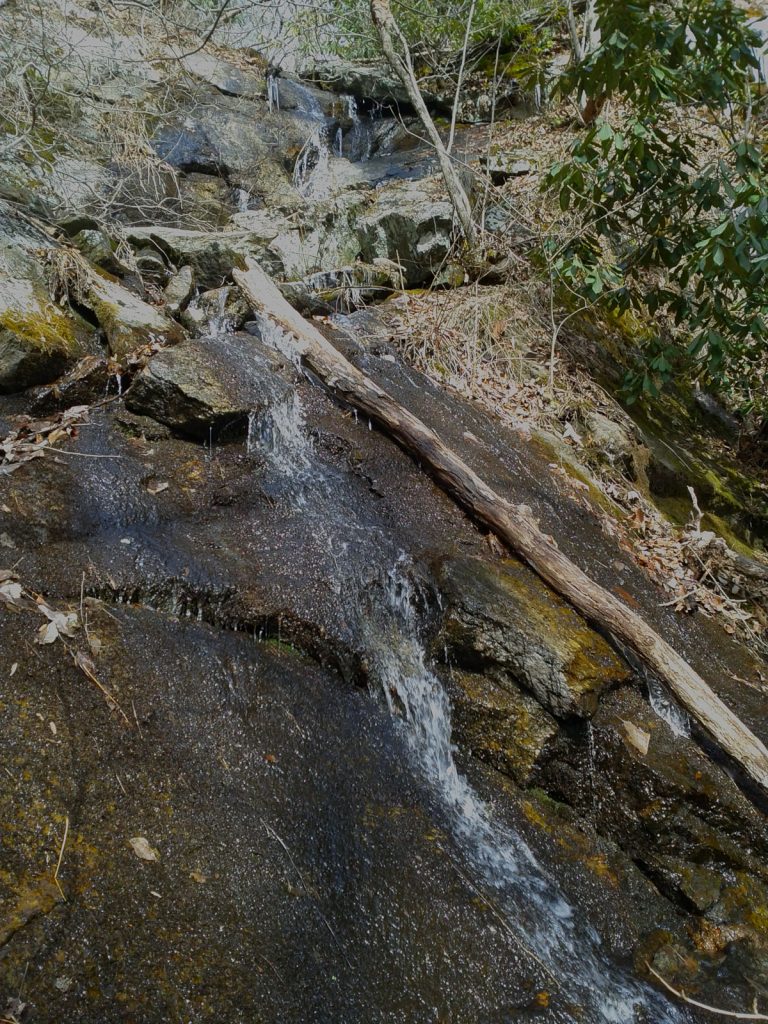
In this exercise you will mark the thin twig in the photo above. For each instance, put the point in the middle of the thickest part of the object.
(111, 700)
(61, 855)
(84, 455)
(323, 918)
(703, 1006)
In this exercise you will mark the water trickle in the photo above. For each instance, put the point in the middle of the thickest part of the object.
(273, 93)
(591, 763)
(242, 199)
(280, 433)
(540, 915)
(666, 708)
(339, 142)
(311, 172)
(360, 136)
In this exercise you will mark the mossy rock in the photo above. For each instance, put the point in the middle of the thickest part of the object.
(500, 725)
(128, 322)
(503, 616)
(37, 343)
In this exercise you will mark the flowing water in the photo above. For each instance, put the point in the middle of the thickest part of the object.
(311, 173)
(531, 905)
(273, 93)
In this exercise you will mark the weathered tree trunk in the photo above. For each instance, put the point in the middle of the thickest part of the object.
(513, 524)
(402, 65)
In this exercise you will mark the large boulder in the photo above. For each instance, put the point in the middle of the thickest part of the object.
(410, 226)
(38, 339)
(211, 255)
(370, 82)
(234, 138)
(503, 617)
(209, 387)
(319, 238)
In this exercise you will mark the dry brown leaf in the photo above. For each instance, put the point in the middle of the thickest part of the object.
(142, 849)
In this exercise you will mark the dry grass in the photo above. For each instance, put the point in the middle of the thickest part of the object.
(491, 346)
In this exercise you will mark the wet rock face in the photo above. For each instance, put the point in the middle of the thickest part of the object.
(209, 386)
(683, 821)
(500, 724)
(376, 82)
(506, 619)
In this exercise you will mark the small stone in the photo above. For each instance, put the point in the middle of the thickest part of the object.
(503, 166)
(180, 289)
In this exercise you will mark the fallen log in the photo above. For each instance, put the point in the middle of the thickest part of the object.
(513, 524)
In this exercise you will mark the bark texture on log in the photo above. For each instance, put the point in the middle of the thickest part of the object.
(388, 31)
(513, 524)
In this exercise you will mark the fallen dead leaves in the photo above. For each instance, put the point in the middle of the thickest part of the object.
(59, 625)
(32, 437)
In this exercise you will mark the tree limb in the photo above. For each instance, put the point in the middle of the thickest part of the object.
(388, 31)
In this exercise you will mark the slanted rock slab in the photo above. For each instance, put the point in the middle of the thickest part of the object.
(503, 616)
(209, 386)
(129, 323)
(500, 725)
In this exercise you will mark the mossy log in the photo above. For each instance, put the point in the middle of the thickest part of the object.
(513, 524)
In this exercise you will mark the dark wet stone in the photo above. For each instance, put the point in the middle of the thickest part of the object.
(504, 617)
(88, 381)
(209, 386)
(500, 724)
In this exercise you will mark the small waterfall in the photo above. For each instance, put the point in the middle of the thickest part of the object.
(531, 904)
(213, 313)
(361, 138)
(339, 142)
(539, 914)
(666, 708)
(311, 173)
(273, 93)
(281, 435)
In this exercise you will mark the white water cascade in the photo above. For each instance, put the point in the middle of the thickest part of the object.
(360, 140)
(273, 93)
(536, 913)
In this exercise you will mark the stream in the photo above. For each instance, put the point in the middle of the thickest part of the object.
(388, 776)
(527, 899)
